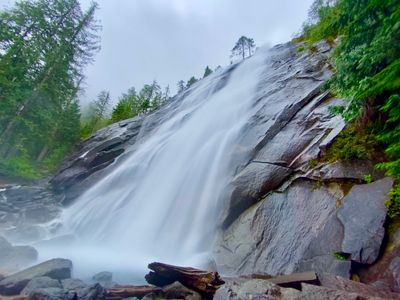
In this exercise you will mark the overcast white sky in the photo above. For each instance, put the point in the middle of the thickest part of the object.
(169, 40)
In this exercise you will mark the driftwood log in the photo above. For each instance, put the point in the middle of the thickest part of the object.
(126, 291)
(203, 282)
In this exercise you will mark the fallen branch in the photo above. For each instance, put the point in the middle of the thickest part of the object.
(126, 291)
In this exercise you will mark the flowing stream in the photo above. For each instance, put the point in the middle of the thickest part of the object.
(161, 202)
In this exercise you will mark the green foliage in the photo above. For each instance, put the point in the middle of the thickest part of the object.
(191, 81)
(341, 255)
(300, 48)
(20, 166)
(312, 163)
(393, 203)
(352, 143)
(97, 115)
(367, 178)
(327, 25)
(367, 73)
(133, 104)
(44, 46)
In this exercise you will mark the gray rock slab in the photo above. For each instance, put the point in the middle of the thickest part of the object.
(248, 186)
(347, 170)
(275, 235)
(239, 288)
(339, 283)
(363, 213)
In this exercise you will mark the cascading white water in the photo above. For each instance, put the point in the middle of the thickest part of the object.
(160, 203)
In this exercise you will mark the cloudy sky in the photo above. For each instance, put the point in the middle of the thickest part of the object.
(170, 40)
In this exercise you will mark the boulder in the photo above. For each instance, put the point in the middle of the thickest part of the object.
(51, 293)
(240, 288)
(321, 255)
(275, 235)
(72, 284)
(385, 273)
(339, 283)
(82, 290)
(363, 213)
(312, 292)
(56, 269)
(41, 283)
(90, 292)
(104, 279)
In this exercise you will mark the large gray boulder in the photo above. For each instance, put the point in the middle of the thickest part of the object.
(363, 213)
(82, 290)
(56, 269)
(274, 236)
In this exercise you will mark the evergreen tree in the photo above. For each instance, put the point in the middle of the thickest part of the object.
(191, 81)
(243, 48)
(97, 114)
(181, 86)
(44, 45)
(149, 98)
(207, 72)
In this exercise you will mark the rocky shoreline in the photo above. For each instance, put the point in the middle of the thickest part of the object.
(52, 280)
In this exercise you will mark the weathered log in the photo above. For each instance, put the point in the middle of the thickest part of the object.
(126, 291)
(204, 282)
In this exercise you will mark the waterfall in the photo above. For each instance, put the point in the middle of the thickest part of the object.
(161, 202)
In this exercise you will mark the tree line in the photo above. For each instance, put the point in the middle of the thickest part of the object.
(130, 104)
(44, 46)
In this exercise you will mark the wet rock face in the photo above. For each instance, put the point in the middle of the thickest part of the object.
(13, 258)
(302, 229)
(291, 126)
(24, 209)
(274, 236)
